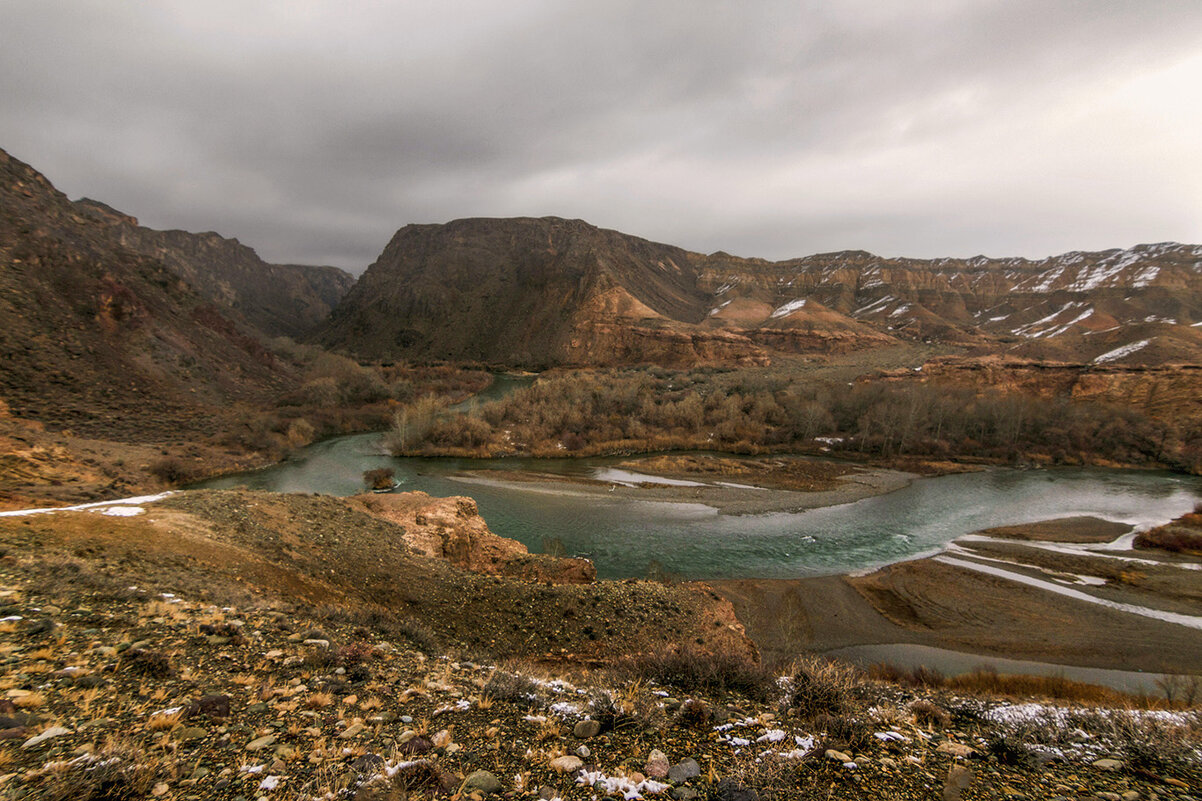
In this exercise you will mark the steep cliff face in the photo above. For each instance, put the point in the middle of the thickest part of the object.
(277, 299)
(550, 291)
(97, 337)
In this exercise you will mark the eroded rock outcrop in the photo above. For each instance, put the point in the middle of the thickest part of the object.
(452, 529)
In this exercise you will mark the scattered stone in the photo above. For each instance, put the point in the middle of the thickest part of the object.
(837, 756)
(566, 764)
(415, 745)
(368, 764)
(586, 729)
(657, 765)
(1108, 796)
(190, 734)
(682, 771)
(955, 749)
(730, 790)
(353, 730)
(1108, 764)
(684, 794)
(958, 778)
(583, 752)
(214, 705)
(49, 734)
(482, 781)
(259, 743)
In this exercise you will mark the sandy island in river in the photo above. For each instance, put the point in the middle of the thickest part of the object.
(730, 485)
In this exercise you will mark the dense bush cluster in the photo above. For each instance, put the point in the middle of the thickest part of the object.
(588, 412)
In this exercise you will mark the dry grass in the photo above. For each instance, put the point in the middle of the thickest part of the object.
(1181, 536)
(31, 701)
(548, 730)
(319, 700)
(164, 722)
(986, 681)
(117, 773)
(1146, 742)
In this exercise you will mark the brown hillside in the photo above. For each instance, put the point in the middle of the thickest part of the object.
(103, 340)
(277, 299)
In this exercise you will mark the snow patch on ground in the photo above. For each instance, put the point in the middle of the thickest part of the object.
(1124, 351)
(1145, 276)
(620, 785)
(126, 502)
(123, 511)
(788, 308)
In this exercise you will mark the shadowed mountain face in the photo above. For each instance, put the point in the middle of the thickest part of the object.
(523, 291)
(100, 338)
(537, 292)
(277, 299)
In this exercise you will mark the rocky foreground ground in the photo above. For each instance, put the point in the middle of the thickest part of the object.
(114, 692)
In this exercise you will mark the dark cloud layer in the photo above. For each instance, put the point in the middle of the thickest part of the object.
(312, 130)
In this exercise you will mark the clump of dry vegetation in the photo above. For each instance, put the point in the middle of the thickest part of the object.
(693, 671)
(1183, 535)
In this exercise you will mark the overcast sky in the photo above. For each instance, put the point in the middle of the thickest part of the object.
(312, 130)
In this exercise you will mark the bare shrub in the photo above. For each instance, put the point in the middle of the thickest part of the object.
(694, 713)
(629, 708)
(1172, 538)
(145, 662)
(928, 713)
(702, 672)
(510, 687)
(821, 687)
(172, 470)
(379, 478)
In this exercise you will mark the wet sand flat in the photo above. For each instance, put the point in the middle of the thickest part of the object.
(955, 606)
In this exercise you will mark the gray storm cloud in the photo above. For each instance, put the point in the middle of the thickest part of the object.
(313, 130)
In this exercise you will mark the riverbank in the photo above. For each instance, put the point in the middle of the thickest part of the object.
(1067, 592)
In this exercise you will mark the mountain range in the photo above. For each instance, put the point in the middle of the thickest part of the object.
(549, 291)
(98, 313)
